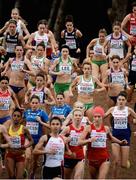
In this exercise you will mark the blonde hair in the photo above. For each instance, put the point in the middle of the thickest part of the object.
(77, 103)
(103, 31)
(77, 109)
(16, 9)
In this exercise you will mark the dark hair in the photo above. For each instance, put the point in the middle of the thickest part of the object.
(133, 4)
(64, 46)
(62, 94)
(69, 18)
(115, 57)
(42, 21)
(56, 118)
(17, 110)
(123, 93)
(13, 21)
(40, 75)
(87, 63)
(19, 44)
(41, 44)
(34, 97)
(116, 23)
(4, 78)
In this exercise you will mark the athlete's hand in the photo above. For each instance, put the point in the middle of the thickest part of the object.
(72, 154)
(38, 118)
(71, 94)
(92, 139)
(51, 151)
(131, 38)
(61, 73)
(1, 103)
(26, 102)
(23, 147)
(68, 139)
(135, 133)
(124, 141)
(78, 50)
(21, 108)
(3, 73)
(23, 70)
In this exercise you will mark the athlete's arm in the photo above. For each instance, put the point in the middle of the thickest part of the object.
(51, 100)
(108, 112)
(114, 139)
(21, 39)
(29, 137)
(82, 139)
(132, 112)
(89, 46)
(39, 148)
(124, 24)
(25, 30)
(29, 42)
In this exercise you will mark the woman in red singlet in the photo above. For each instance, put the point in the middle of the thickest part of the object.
(95, 135)
(129, 23)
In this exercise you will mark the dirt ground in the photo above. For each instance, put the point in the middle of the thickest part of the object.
(101, 98)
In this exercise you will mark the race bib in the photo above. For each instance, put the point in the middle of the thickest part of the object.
(15, 142)
(10, 47)
(33, 127)
(100, 142)
(133, 30)
(118, 78)
(120, 123)
(86, 88)
(66, 69)
(17, 66)
(6, 103)
(74, 138)
(133, 65)
(71, 43)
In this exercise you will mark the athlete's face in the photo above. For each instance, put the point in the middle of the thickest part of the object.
(17, 117)
(77, 116)
(97, 118)
(102, 37)
(41, 28)
(34, 104)
(134, 10)
(116, 29)
(29, 53)
(39, 81)
(55, 126)
(134, 49)
(79, 106)
(121, 101)
(91, 53)
(19, 51)
(65, 52)
(87, 69)
(12, 27)
(115, 63)
(40, 51)
(14, 14)
(4, 84)
(69, 25)
(60, 100)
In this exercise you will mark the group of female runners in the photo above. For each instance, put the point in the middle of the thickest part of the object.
(48, 115)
